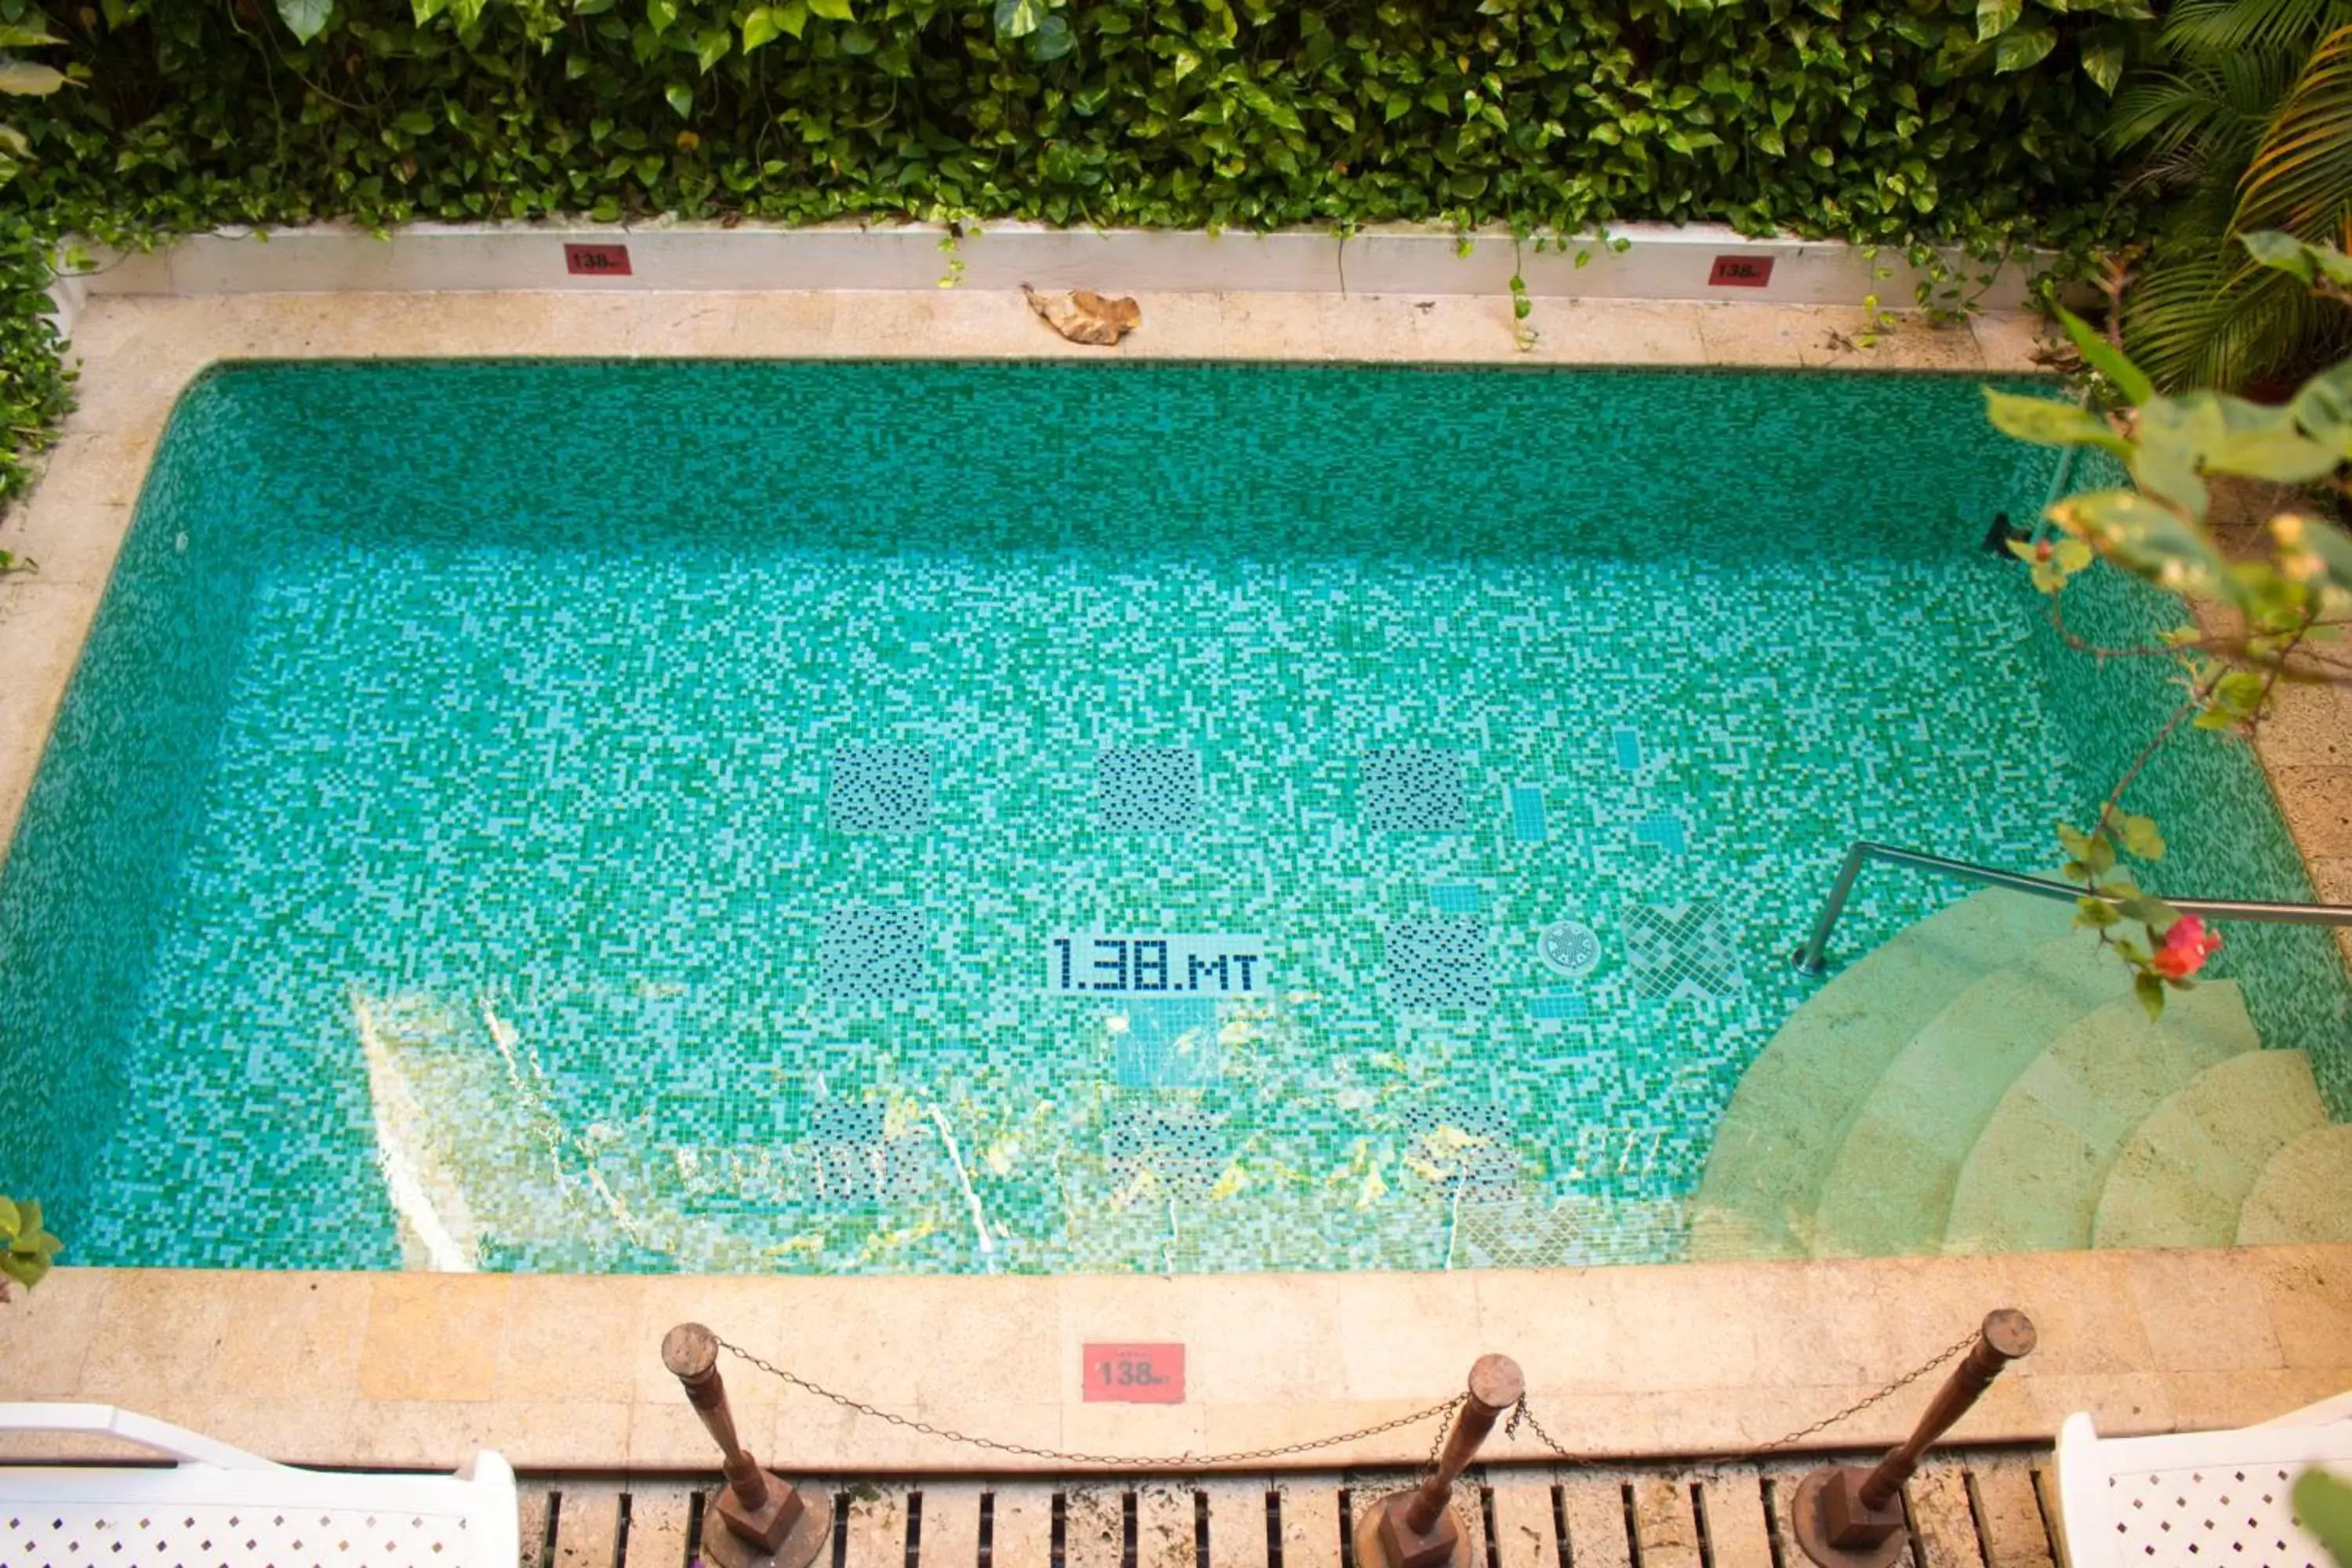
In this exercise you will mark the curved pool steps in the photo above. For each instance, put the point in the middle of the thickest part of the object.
(1890, 1189)
(2300, 1195)
(2182, 1176)
(2032, 1179)
(1789, 1116)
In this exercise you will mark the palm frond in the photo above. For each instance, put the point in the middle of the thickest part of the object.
(2300, 176)
(2215, 29)
(2197, 315)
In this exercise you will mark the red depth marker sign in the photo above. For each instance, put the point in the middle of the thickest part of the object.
(598, 260)
(1740, 272)
(1134, 1375)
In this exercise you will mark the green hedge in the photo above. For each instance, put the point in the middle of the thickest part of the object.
(1888, 121)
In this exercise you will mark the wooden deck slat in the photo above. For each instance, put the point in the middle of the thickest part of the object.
(1596, 1521)
(2015, 1536)
(1525, 1536)
(951, 1537)
(1094, 1525)
(657, 1515)
(1310, 1524)
(530, 1525)
(1236, 1521)
(588, 1525)
(1940, 1513)
(1665, 1522)
(1165, 1527)
(875, 1527)
(1738, 1534)
(1023, 1534)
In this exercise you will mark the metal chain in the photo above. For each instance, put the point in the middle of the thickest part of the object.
(1160, 1461)
(1520, 1413)
(1867, 1400)
(1521, 1416)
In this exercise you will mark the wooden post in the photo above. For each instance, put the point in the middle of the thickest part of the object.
(1415, 1529)
(1845, 1516)
(759, 1520)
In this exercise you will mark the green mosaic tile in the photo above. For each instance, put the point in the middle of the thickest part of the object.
(623, 808)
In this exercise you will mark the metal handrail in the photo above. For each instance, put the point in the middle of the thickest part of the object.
(1808, 957)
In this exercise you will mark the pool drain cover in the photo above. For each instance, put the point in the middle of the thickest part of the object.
(1569, 947)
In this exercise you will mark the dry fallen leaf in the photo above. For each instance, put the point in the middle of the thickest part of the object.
(1084, 315)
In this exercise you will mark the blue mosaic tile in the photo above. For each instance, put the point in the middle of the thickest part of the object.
(1456, 898)
(878, 789)
(1147, 789)
(1627, 744)
(1166, 1044)
(1438, 962)
(1662, 831)
(1526, 813)
(871, 954)
(1681, 954)
(1558, 1004)
(1412, 789)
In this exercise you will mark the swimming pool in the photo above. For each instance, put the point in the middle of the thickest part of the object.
(892, 817)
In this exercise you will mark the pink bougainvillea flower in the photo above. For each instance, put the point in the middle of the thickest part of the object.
(2187, 945)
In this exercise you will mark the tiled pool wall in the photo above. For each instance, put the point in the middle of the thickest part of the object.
(690, 907)
(2208, 793)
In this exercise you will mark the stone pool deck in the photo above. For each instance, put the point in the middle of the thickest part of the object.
(400, 1370)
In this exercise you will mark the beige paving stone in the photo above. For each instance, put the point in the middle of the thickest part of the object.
(290, 1430)
(2204, 1311)
(1852, 1321)
(2008, 340)
(1408, 1335)
(2239, 1396)
(2119, 1402)
(435, 1434)
(570, 1338)
(1617, 331)
(2317, 805)
(286, 1336)
(2308, 725)
(2309, 1289)
(1683, 1327)
(158, 1332)
(2087, 1318)
(433, 1337)
(1556, 1324)
(45, 1334)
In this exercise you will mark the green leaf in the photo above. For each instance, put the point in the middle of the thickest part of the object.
(2015, 51)
(792, 16)
(2144, 536)
(2150, 991)
(2323, 1503)
(1017, 18)
(13, 36)
(832, 10)
(1054, 39)
(2049, 423)
(2102, 57)
(12, 1223)
(2149, 911)
(12, 141)
(1995, 17)
(307, 18)
(681, 98)
(711, 47)
(759, 27)
(660, 14)
(2140, 836)
(2095, 913)
(2107, 358)
(26, 80)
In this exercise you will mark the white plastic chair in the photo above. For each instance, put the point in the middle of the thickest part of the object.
(222, 1507)
(2196, 1499)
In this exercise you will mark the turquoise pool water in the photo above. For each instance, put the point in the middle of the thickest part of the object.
(937, 817)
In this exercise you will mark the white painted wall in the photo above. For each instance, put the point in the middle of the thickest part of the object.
(1660, 262)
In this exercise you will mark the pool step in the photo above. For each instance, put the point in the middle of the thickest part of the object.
(2186, 1172)
(1889, 1190)
(1789, 1118)
(2032, 1179)
(2305, 1193)
(1986, 1082)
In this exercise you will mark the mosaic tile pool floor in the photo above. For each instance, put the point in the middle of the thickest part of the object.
(893, 818)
